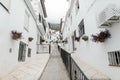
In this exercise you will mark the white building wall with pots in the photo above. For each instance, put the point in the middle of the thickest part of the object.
(95, 54)
(13, 19)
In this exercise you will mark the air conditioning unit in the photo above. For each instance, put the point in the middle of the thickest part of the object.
(110, 15)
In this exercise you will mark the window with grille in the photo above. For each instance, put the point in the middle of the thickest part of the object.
(73, 44)
(81, 28)
(40, 18)
(114, 58)
(71, 20)
(40, 40)
(5, 4)
(22, 52)
(29, 52)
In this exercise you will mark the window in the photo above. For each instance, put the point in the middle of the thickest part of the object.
(71, 20)
(69, 14)
(29, 52)
(40, 18)
(22, 52)
(73, 44)
(114, 58)
(77, 6)
(26, 21)
(5, 4)
(81, 28)
(41, 40)
(44, 23)
(77, 35)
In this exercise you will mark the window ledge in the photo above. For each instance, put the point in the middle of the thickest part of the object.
(114, 65)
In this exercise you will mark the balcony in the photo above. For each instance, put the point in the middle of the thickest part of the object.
(110, 15)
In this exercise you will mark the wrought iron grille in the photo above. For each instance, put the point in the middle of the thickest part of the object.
(74, 71)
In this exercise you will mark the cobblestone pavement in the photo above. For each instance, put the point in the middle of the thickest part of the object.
(55, 69)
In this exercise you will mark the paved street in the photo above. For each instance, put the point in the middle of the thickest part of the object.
(30, 70)
(55, 69)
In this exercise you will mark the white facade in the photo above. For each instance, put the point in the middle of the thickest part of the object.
(17, 15)
(53, 35)
(93, 53)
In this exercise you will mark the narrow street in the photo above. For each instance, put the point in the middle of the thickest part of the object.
(55, 69)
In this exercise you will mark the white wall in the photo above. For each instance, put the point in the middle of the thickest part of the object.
(37, 7)
(14, 20)
(96, 53)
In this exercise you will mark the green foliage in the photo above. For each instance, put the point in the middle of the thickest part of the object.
(54, 26)
(102, 36)
(85, 38)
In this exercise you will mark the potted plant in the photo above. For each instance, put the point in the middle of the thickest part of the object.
(43, 40)
(85, 38)
(30, 39)
(65, 41)
(16, 35)
(77, 39)
(102, 36)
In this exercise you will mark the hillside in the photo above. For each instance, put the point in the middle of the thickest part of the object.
(54, 26)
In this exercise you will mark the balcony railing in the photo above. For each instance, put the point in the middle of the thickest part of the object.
(43, 48)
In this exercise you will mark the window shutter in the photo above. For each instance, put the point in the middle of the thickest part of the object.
(81, 28)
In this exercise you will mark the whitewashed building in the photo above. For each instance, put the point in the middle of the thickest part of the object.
(40, 11)
(22, 31)
(91, 17)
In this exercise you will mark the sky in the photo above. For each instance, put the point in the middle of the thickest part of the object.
(56, 9)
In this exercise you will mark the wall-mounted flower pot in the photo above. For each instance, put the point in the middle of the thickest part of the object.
(101, 37)
(85, 38)
(16, 35)
(30, 39)
(77, 39)
(43, 40)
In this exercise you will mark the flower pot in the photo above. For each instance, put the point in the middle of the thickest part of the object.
(16, 35)
(30, 39)
(85, 38)
(77, 39)
(102, 36)
(102, 40)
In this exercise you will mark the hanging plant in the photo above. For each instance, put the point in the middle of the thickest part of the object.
(43, 40)
(77, 39)
(101, 37)
(16, 35)
(65, 41)
(85, 38)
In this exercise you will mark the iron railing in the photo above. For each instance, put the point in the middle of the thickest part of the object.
(74, 71)
(43, 48)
